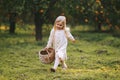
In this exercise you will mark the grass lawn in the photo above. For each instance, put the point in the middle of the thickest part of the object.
(94, 56)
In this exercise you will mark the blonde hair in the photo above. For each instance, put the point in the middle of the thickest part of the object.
(60, 19)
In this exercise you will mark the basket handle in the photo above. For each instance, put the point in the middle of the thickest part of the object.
(48, 54)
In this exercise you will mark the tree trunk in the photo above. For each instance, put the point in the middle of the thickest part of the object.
(38, 26)
(12, 21)
(99, 26)
(39, 20)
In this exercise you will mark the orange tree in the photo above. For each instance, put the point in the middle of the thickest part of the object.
(9, 10)
(95, 12)
(98, 12)
(19, 8)
(112, 13)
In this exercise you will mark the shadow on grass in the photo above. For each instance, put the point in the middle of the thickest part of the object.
(90, 35)
(21, 39)
(100, 32)
(102, 38)
(8, 35)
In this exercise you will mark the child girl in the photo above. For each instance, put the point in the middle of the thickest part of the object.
(58, 40)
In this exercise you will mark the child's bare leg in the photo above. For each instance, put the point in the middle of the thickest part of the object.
(64, 66)
(57, 61)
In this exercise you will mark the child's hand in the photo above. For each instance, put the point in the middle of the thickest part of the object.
(74, 41)
(45, 48)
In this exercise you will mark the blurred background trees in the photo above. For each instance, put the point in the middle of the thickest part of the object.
(97, 13)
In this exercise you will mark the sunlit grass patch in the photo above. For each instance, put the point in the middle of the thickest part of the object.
(4, 27)
(94, 56)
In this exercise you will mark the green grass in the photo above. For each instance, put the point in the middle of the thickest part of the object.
(94, 56)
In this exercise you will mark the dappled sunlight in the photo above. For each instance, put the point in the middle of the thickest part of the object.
(25, 26)
(100, 70)
(94, 56)
(87, 74)
(4, 27)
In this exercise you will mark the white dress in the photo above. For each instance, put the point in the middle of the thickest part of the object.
(58, 40)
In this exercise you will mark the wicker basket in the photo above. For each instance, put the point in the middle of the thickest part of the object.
(47, 56)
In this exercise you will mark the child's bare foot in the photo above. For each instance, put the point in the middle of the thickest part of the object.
(52, 70)
(64, 66)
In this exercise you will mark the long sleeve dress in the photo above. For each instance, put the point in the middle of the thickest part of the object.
(58, 40)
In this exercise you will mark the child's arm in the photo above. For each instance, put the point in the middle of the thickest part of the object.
(50, 40)
(69, 35)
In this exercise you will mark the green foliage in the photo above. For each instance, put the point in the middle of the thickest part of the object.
(77, 12)
(13, 6)
(94, 56)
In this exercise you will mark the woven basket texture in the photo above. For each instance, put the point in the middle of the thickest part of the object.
(47, 56)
